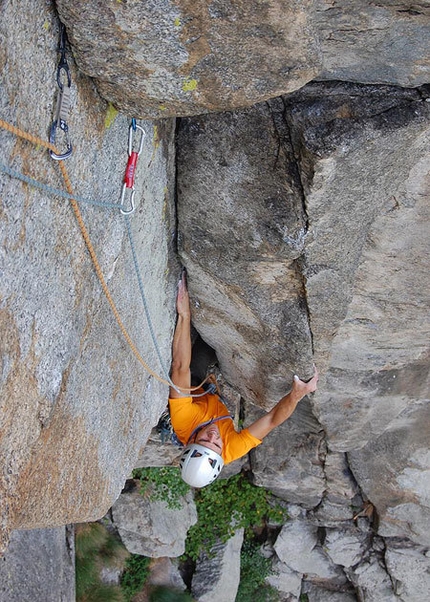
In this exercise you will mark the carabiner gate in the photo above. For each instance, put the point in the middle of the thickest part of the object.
(131, 130)
(64, 127)
(132, 206)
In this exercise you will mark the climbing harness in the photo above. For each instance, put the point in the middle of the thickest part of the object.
(165, 428)
(63, 101)
(130, 170)
(74, 202)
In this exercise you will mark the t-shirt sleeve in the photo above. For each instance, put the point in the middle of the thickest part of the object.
(183, 414)
(238, 444)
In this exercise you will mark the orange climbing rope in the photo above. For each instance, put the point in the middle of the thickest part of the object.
(38, 141)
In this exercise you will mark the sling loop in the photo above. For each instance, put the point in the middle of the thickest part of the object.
(55, 191)
(63, 102)
(130, 170)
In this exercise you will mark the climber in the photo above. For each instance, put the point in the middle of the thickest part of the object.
(203, 424)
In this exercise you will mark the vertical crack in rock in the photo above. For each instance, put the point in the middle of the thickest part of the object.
(300, 262)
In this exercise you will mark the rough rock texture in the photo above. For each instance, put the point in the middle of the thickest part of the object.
(315, 238)
(393, 471)
(409, 569)
(374, 42)
(181, 58)
(151, 528)
(241, 232)
(303, 224)
(217, 577)
(297, 546)
(301, 478)
(372, 582)
(320, 594)
(285, 581)
(39, 565)
(76, 407)
(176, 57)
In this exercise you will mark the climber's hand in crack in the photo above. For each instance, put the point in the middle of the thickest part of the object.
(302, 387)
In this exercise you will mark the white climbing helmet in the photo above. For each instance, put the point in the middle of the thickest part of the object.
(200, 465)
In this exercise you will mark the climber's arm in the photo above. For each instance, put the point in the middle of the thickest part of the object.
(284, 408)
(181, 349)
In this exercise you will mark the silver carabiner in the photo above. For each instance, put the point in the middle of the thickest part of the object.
(64, 127)
(132, 208)
(130, 138)
(60, 122)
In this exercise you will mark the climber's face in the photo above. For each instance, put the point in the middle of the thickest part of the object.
(210, 437)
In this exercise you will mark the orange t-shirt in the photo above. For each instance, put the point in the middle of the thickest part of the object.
(187, 413)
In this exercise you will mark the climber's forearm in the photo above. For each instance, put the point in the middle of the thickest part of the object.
(277, 415)
(181, 355)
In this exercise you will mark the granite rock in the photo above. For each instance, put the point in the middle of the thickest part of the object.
(176, 58)
(151, 528)
(76, 406)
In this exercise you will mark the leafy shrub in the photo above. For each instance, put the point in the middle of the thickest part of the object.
(135, 574)
(162, 484)
(225, 506)
(165, 594)
(95, 547)
(101, 592)
(254, 569)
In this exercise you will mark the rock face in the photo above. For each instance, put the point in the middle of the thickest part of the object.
(39, 565)
(241, 233)
(170, 58)
(217, 578)
(303, 223)
(321, 245)
(76, 405)
(179, 58)
(150, 528)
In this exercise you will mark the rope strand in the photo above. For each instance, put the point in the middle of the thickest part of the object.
(56, 191)
(39, 141)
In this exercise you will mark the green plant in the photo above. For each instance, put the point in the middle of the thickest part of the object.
(225, 506)
(103, 593)
(254, 569)
(162, 484)
(161, 593)
(135, 574)
(95, 547)
(89, 539)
